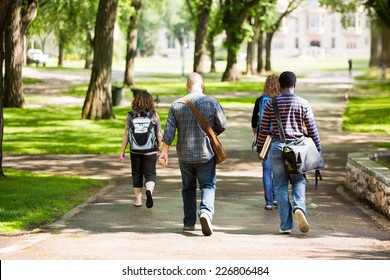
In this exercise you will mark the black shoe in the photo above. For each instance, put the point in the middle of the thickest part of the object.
(149, 199)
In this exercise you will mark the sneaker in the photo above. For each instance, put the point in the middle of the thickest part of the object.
(268, 207)
(303, 225)
(285, 231)
(189, 228)
(149, 199)
(206, 224)
(275, 204)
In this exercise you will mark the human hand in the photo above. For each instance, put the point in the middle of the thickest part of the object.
(122, 157)
(261, 158)
(163, 159)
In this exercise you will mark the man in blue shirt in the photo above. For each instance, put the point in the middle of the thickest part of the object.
(195, 154)
(296, 116)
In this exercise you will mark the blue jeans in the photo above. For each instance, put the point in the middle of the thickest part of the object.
(281, 180)
(269, 193)
(205, 173)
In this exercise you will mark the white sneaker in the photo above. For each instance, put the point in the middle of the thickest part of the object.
(303, 225)
(286, 231)
(205, 222)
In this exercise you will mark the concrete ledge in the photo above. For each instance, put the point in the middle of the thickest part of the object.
(369, 180)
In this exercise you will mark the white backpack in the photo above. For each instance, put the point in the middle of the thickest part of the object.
(142, 132)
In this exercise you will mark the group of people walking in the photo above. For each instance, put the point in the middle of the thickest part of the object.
(196, 156)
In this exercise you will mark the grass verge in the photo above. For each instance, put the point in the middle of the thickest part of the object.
(369, 109)
(31, 201)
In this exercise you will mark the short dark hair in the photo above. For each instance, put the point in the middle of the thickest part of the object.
(287, 79)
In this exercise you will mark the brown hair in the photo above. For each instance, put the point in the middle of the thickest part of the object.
(272, 86)
(143, 101)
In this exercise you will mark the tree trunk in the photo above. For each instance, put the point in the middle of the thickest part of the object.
(98, 102)
(132, 36)
(250, 69)
(268, 42)
(61, 49)
(200, 36)
(260, 52)
(231, 72)
(249, 58)
(4, 12)
(234, 14)
(88, 51)
(20, 17)
(385, 30)
(213, 69)
(376, 48)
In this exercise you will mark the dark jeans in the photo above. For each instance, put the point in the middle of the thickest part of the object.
(206, 176)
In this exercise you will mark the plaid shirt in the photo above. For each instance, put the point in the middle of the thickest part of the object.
(193, 144)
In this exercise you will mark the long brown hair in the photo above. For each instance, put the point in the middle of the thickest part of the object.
(272, 86)
(143, 101)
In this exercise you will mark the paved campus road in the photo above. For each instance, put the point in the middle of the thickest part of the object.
(110, 228)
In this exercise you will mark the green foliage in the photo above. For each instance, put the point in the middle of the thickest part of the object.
(30, 201)
(71, 21)
(151, 21)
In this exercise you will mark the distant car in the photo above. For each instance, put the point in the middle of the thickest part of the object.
(37, 56)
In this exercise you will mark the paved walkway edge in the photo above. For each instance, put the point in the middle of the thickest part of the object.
(376, 217)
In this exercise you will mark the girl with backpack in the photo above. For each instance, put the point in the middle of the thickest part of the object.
(143, 133)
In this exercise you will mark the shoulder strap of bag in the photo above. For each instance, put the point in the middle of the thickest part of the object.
(203, 123)
(277, 115)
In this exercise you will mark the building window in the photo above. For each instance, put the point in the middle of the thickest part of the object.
(315, 43)
(351, 45)
(171, 42)
(279, 45)
(352, 20)
(333, 43)
(315, 21)
(297, 43)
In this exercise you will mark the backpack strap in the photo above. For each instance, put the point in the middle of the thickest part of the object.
(278, 119)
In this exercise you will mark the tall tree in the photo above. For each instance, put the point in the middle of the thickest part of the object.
(200, 11)
(274, 26)
(215, 28)
(251, 45)
(132, 36)
(5, 7)
(234, 15)
(22, 12)
(98, 102)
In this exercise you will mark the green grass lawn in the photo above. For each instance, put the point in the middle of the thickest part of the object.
(369, 109)
(60, 130)
(30, 201)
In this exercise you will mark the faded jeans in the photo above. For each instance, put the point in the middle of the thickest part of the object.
(206, 176)
(281, 181)
(269, 193)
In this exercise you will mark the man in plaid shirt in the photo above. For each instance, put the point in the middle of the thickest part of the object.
(195, 154)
